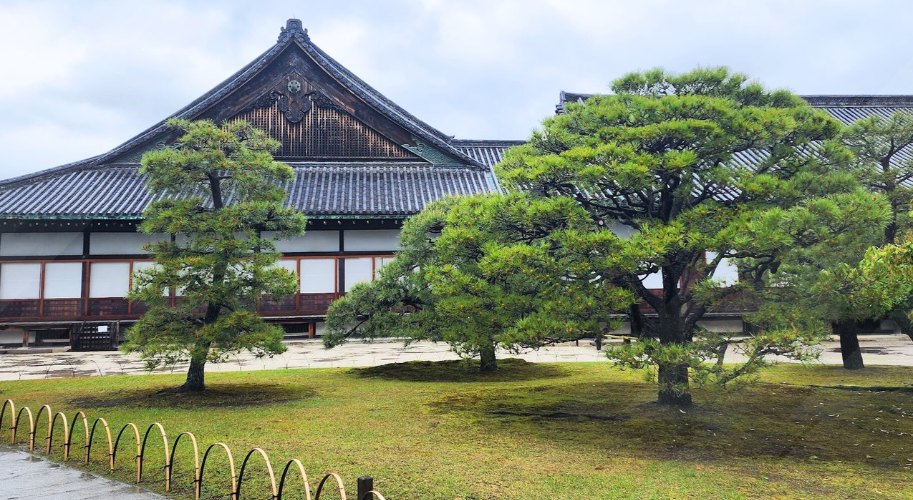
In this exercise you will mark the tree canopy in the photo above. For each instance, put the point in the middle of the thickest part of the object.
(220, 187)
(666, 180)
(479, 273)
(685, 167)
(881, 146)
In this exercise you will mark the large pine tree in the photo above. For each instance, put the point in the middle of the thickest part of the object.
(658, 161)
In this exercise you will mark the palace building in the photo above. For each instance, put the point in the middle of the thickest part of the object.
(68, 235)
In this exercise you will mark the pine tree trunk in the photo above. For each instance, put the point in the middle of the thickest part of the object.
(637, 320)
(848, 331)
(488, 361)
(195, 375)
(673, 385)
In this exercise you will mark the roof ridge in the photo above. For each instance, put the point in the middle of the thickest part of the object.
(74, 166)
(470, 142)
(859, 100)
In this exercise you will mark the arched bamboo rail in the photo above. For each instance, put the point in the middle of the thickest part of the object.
(231, 465)
(139, 453)
(110, 442)
(269, 469)
(142, 453)
(37, 421)
(237, 479)
(339, 486)
(66, 432)
(304, 478)
(169, 468)
(69, 442)
(12, 428)
(31, 426)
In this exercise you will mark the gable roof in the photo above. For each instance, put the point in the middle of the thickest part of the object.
(428, 166)
(292, 38)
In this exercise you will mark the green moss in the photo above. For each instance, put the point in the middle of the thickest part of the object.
(442, 430)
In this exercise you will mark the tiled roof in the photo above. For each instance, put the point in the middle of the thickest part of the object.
(846, 108)
(485, 152)
(849, 108)
(318, 190)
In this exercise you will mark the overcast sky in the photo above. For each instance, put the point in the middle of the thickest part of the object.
(79, 78)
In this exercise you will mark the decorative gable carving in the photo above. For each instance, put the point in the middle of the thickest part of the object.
(294, 97)
(310, 125)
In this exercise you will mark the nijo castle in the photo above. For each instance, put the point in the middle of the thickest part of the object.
(68, 235)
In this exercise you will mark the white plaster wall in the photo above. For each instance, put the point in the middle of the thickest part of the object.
(20, 281)
(109, 279)
(653, 280)
(318, 276)
(40, 244)
(358, 270)
(621, 230)
(287, 264)
(722, 325)
(371, 240)
(121, 243)
(311, 241)
(726, 272)
(62, 280)
(380, 262)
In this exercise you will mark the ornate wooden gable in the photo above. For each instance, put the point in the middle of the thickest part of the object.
(315, 108)
(312, 126)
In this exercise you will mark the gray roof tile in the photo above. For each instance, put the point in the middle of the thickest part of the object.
(318, 189)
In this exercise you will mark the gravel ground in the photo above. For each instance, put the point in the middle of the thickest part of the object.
(877, 350)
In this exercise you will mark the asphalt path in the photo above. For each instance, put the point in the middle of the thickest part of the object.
(24, 476)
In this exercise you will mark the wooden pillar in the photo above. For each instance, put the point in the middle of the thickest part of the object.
(312, 329)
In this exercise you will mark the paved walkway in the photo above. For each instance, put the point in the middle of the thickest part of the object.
(26, 476)
(877, 350)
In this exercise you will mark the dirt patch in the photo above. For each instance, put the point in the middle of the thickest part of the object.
(556, 415)
(512, 369)
(859, 388)
(217, 396)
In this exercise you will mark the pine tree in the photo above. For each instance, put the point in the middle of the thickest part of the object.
(484, 272)
(657, 161)
(220, 187)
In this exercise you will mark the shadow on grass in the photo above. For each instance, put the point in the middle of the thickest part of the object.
(762, 421)
(215, 396)
(509, 370)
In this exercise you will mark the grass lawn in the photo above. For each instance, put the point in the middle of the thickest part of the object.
(578, 430)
